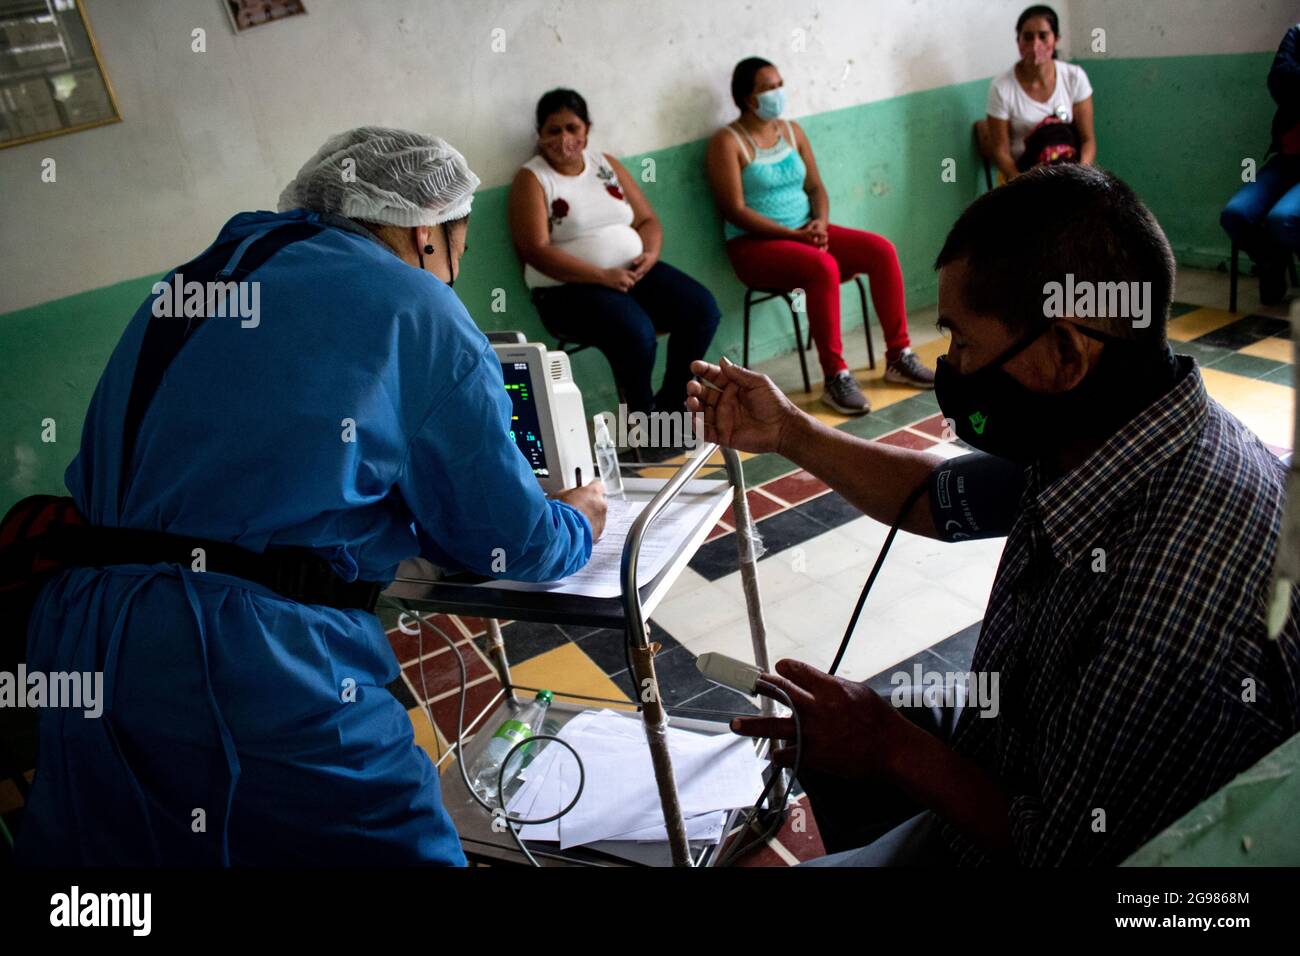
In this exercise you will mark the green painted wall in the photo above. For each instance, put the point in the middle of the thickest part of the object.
(1176, 128)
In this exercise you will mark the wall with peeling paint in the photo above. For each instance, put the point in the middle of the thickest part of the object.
(208, 134)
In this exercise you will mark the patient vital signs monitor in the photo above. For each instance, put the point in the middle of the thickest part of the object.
(547, 421)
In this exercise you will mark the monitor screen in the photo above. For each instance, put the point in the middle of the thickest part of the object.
(524, 426)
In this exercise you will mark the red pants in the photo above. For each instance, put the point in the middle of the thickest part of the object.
(786, 264)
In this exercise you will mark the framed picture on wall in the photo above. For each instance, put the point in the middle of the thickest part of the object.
(246, 14)
(52, 80)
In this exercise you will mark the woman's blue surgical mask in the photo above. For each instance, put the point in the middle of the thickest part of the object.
(771, 103)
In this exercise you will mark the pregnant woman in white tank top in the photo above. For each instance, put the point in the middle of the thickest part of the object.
(590, 246)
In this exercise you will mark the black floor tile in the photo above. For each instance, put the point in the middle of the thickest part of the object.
(403, 693)
(720, 699)
(1243, 332)
(884, 684)
(607, 648)
(788, 529)
(624, 681)
(960, 648)
(524, 640)
(716, 559)
(831, 510)
(679, 678)
(666, 640)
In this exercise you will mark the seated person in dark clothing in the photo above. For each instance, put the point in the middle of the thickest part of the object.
(1263, 218)
(590, 244)
(1127, 621)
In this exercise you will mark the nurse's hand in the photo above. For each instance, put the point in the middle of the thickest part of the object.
(744, 410)
(620, 279)
(590, 500)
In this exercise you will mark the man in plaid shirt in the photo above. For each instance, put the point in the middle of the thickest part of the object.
(1127, 620)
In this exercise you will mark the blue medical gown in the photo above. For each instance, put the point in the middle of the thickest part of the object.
(363, 417)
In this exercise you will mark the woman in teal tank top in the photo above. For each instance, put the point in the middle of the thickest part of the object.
(778, 235)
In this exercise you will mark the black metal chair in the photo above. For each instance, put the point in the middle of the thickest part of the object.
(573, 348)
(1234, 270)
(755, 297)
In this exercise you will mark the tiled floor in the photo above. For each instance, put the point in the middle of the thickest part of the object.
(926, 604)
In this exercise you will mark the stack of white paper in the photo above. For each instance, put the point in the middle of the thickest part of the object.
(620, 800)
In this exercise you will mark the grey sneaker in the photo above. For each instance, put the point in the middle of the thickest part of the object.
(908, 370)
(843, 394)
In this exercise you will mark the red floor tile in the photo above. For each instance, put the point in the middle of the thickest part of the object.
(800, 834)
(441, 673)
(760, 506)
(796, 488)
(934, 425)
(761, 856)
(906, 439)
(477, 699)
(719, 530)
(475, 625)
(407, 646)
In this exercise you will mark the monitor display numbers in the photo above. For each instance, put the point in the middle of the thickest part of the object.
(525, 430)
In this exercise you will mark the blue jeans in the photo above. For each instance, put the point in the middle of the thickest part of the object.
(1263, 218)
(623, 326)
(886, 826)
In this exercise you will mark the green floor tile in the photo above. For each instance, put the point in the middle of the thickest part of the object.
(1251, 366)
(909, 410)
(1284, 375)
(1205, 355)
(868, 426)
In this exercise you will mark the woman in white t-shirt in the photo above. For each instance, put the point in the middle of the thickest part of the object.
(1037, 88)
(590, 242)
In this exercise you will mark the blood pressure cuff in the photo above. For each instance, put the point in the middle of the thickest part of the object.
(975, 496)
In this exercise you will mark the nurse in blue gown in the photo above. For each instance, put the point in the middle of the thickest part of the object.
(361, 415)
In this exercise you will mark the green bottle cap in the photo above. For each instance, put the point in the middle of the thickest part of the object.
(545, 695)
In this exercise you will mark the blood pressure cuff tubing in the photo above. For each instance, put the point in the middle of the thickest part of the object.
(975, 496)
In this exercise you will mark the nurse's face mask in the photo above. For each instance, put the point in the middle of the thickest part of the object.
(451, 259)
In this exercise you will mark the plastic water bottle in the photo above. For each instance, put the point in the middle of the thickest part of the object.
(483, 775)
(607, 460)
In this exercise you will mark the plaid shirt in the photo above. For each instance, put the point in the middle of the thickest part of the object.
(1138, 690)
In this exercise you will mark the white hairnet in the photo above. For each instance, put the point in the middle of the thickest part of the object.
(384, 175)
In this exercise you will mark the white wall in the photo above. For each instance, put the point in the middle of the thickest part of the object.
(208, 134)
(1178, 27)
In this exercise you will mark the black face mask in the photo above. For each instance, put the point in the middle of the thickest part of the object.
(994, 413)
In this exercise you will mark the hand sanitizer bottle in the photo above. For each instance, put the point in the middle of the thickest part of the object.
(607, 460)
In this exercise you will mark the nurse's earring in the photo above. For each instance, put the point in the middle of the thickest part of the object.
(428, 249)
